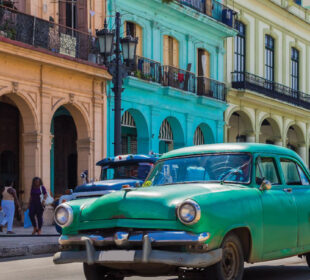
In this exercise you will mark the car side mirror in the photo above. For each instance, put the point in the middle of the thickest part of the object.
(265, 185)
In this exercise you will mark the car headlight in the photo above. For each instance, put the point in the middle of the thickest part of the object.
(189, 212)
(63, 215)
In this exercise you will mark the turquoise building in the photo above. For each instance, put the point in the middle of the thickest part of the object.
(174, 95)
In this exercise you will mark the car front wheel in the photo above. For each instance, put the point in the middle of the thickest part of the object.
(96, 272)
(231, 267)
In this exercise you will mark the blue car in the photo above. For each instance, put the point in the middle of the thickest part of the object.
(116, 173)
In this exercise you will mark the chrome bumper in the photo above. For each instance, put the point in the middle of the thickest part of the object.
(147, 255)
(135, 238)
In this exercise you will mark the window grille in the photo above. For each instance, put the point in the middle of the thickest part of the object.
(128, 120)
(198, 137)
(165, 132)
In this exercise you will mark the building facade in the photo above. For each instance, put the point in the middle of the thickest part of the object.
(52, 93)
(174, 96)
(267, 69)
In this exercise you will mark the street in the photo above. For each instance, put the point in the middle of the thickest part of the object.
(43, 268)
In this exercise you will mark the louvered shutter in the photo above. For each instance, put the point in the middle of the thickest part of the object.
(62, 12)
(209, 7)
(175, 53)
(207, 64)
(166, 50)
(139, 34)
(82, 23)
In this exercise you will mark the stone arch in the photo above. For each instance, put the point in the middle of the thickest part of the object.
(84, 143)
(28, 139)
(240, 127)
(295, 137)
(177, 140)
(270, 131)
(28, 114)
(141, 130)
(80, 118)
(207, 133)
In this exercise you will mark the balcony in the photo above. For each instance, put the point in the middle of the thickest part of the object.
(244, 80)
(46, 35)
(178, 78)
(169, 76)
(213, 9)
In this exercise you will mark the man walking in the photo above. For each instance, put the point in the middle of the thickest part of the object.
(8, 206)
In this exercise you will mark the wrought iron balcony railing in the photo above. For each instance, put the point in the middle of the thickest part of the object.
(245, 80)
(153, 71)
(147, 69)
(213, 9)
(46, 34)
(211, 88)
(178, 78)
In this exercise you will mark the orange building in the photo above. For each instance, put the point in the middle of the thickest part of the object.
(52, 93)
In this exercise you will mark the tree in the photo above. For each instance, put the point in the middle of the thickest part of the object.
(167, 1)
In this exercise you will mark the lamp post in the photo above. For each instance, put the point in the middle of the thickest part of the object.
(118, 68)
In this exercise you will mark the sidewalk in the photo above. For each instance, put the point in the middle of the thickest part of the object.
(27, 244)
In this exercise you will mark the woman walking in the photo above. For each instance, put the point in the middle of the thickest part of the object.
(36, 206)
(9, 198)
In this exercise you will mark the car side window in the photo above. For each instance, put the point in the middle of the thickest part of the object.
(303, 177)
(266, 170)
(291, 172)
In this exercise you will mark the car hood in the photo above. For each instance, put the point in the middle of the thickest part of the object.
(158, 203)
(106, 185)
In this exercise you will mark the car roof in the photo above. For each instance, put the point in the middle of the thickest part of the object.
(232, 147)
(127, 159)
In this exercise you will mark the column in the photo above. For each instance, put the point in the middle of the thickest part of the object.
(84, 148)
(302, 151)
(31, 161)
(251, 137)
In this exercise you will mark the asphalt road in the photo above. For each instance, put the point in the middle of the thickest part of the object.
(43, 269)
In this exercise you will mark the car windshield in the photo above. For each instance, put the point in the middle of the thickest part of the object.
(126, 171)
(233, 168)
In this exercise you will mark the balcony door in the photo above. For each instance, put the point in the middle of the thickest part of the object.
(239, 53)
(135, 30)
(73, 14)
(203, 71)
(171, 51)
(269, 61)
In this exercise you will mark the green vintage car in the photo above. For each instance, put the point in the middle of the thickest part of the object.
(203, 210)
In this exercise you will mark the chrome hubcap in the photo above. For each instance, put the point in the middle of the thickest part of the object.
(230, 261)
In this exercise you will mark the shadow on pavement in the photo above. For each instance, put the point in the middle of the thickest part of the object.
(277, 273)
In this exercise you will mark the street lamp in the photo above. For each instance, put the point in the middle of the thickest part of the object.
(106, 40)
(118, 68)
(129, 46)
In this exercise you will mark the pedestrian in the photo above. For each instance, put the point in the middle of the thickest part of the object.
(38, 196)
(9, 198)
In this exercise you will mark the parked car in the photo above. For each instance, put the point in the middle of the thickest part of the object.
(206, 209)
(116, 172)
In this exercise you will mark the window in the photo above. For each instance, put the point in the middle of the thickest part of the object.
(171, 51)
(266, 170)
(269, 59)
(293, 173)
(295, 69)
(135, 30)
(239, 55)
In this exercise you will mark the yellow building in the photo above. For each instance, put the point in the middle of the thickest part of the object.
(268, 69)
(52, 93)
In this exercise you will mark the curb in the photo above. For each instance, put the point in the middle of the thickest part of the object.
(38, 249)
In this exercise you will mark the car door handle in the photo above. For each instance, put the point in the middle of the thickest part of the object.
(288, 190)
